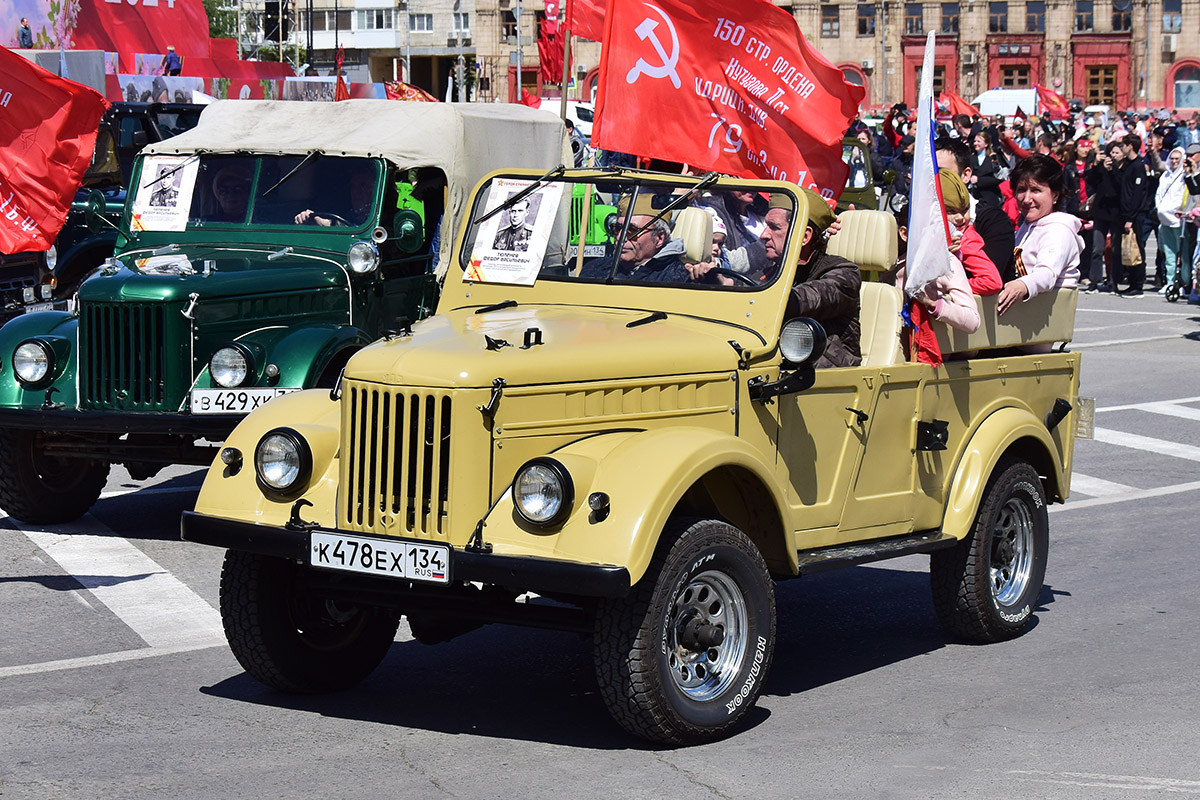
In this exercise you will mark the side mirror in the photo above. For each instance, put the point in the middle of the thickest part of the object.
(140, 139)
(94, 210)
(888, 177)
(408, 230)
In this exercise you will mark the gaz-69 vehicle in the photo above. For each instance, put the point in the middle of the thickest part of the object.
(611, 445)
(257, 252)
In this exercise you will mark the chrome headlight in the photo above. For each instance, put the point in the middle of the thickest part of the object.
(543, 492)
(230, 366)
(52, 258)
(802, 341)
(363, 257)
(283, 460)
(33, 362)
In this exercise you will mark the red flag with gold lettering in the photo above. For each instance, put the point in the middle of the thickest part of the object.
(731, 87)
(47, 135)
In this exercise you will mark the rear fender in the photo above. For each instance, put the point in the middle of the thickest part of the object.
(1008, 430)
(648, 476)
(26, 326)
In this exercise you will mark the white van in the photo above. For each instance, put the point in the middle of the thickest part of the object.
(1006, 102)
(582, 114)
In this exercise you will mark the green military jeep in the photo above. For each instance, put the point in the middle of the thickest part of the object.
(257, 252)
(568, 444)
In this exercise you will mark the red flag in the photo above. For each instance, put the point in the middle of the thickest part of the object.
(399, 90)
(1054, 104)
(341, 91)
(550, 20)
(585, 18)
(1020, 115)
(530, 99)
(748, 95)
(47, 134)
(955, 104)
(143, 27)
(550, 45)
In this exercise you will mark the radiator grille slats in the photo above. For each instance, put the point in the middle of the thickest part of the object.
(123, 355)
(396, 464)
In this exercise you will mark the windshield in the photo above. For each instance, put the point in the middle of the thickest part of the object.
(173, 123)
(627, 230)
(315, 191)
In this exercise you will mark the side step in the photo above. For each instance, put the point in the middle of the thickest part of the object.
(827, 558)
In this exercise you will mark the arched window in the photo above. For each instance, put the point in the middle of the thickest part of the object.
(853, 76)
(1187, 86)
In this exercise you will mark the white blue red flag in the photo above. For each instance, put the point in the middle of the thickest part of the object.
(928, 234)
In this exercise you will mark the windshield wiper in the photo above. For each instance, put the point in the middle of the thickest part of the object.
(171, 172)
(521, 195)
(654, 316)
(308, 159)
(497, 307)
(705, 182)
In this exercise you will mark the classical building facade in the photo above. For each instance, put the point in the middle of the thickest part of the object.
(1121, 53)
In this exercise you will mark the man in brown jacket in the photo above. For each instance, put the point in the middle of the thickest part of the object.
(826, 287)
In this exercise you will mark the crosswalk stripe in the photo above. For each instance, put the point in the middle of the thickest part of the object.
(1097, 487)
(1150, 445)
(1136, 406)
(1172, 410)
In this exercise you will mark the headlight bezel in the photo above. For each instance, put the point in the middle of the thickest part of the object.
(47, 375)
(566, 488)
(363, 257)
(304, 467)
(250, 368)
(798, 327)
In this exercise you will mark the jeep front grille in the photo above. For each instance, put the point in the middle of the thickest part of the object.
(395, 463)
(123, 355)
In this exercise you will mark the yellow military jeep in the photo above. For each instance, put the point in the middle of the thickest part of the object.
(638, 448)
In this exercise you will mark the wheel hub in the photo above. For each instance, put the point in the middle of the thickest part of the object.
(1012, 552)
(707, 635)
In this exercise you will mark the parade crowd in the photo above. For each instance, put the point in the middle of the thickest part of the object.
(1126, 179)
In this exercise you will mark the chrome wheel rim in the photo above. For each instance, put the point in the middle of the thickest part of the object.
(1012, 552)
(711, 598)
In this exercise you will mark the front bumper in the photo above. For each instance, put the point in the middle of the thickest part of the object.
(524, 573)
(215, 427)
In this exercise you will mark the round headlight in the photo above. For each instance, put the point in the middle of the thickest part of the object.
(802, 340)
(32, 361)
(230, 366)
(543, 492)
(282, 460)
(52, 258)
(363, 257)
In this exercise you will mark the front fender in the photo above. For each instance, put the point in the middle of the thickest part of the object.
(999, 433)
(302, 354)
(645, 475)
(26, 326)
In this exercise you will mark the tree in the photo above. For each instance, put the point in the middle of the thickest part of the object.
(222, 19)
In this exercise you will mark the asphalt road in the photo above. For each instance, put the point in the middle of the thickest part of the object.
(115, 680)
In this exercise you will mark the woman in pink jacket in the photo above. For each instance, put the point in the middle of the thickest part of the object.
(1047, 243)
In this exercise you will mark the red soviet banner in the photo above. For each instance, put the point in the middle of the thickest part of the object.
(732, 87)
(586, 18)
(47, 134)
(143, 26)
(1054, 105)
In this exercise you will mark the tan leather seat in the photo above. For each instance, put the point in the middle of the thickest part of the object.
(868, 238)
(880, 321)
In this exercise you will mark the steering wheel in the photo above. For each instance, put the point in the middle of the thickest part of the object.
(736, 276)
(329, 215)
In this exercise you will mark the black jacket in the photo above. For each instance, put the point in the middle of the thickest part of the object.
(1136, 191)
(1104, 189)
(999, 238)
(987, 184)
(827, 290)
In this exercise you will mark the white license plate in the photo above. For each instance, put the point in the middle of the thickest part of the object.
(389, 558)
(30, 308)
(233, 401)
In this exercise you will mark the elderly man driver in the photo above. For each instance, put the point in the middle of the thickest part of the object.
(826, 287)
(647, 253)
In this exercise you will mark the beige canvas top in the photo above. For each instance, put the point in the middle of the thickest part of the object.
(465, 140)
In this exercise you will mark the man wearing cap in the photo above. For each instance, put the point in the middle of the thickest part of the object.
(826, 287)
(517, 233)
(648, 253)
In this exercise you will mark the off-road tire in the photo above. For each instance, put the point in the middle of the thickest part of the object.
(292, 640)
(42, 490)
(986, 587)
(654, 686)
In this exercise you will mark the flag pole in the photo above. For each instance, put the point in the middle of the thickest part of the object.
(562, 111)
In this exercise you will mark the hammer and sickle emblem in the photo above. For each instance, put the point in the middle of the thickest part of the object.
(645, 31)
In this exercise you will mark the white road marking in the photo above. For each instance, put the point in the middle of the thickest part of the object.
(1150, 445)
(150, 490)
(1117, 342)
(1140, 494)
(1138, 313)
(1097, 487)
(1172, 410)
(1139, 406)
(1147, 782)
(156, 605)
